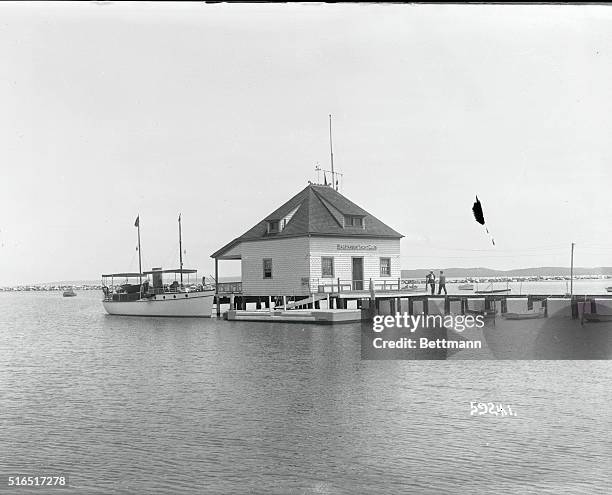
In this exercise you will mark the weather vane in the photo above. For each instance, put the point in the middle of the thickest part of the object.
(336, 180)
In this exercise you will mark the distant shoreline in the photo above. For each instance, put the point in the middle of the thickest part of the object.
(50, 287)
(543, 271)
(458, 275)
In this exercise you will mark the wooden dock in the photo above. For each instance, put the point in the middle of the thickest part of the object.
(398, 302)
(318, 316)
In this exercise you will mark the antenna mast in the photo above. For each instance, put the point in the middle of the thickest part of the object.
(331, 154)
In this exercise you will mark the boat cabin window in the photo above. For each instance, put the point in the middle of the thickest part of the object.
(267, 268)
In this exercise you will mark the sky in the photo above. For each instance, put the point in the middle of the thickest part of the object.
(220, 112)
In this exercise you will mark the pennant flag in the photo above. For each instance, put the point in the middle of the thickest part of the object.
(324, 178)
(477, 210)
(137, 222)
(479, 216)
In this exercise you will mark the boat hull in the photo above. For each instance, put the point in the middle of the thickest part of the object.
(594, 317)
(523, 316)
(495, 291)
(485, 313)
(194, 305)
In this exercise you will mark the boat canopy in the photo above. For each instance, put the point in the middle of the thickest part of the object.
(123, 275)
(175, 270)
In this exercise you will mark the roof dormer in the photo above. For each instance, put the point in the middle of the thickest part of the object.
(354, 221)
(273, 226)
(276, 226)
(287, 218)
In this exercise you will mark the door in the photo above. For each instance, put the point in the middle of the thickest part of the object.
(357, 273)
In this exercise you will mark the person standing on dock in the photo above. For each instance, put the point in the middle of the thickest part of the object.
(430, 281)
(441, 283)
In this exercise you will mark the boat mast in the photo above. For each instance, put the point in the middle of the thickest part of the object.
(180, 249)
(139, 257)
(572, 272)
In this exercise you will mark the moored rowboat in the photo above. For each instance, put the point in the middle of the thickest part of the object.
(523, 316)
(494, 291)
(594, 317)
(485, 313)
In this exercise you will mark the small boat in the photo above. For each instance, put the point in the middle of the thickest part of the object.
(609, 289)
(156, 298)
(411, 288)
(594, 317)
(466, 287)
(532, 315)
(485, 313)
(490, 290)
(493, 291)
(138, 297)
(69, 293)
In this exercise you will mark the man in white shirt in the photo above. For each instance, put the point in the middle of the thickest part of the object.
(431, 281)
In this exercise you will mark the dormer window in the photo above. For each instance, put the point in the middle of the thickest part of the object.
(273, 227)
(353, 221)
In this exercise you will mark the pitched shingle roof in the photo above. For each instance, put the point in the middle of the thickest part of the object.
(320, 211)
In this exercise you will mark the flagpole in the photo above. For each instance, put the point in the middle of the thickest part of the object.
(331, 153)
(139, 256)
(180, 249)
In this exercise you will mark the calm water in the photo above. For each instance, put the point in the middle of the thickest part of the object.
(126, 405)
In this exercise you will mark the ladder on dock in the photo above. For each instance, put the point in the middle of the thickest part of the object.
(303, 302)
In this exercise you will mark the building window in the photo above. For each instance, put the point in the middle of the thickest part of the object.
(385, 267)
(327, 267)
(352, 221)
(267, 268)
(273, 227)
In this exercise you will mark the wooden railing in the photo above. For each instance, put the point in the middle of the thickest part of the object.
(343, 285)
(230, 288)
